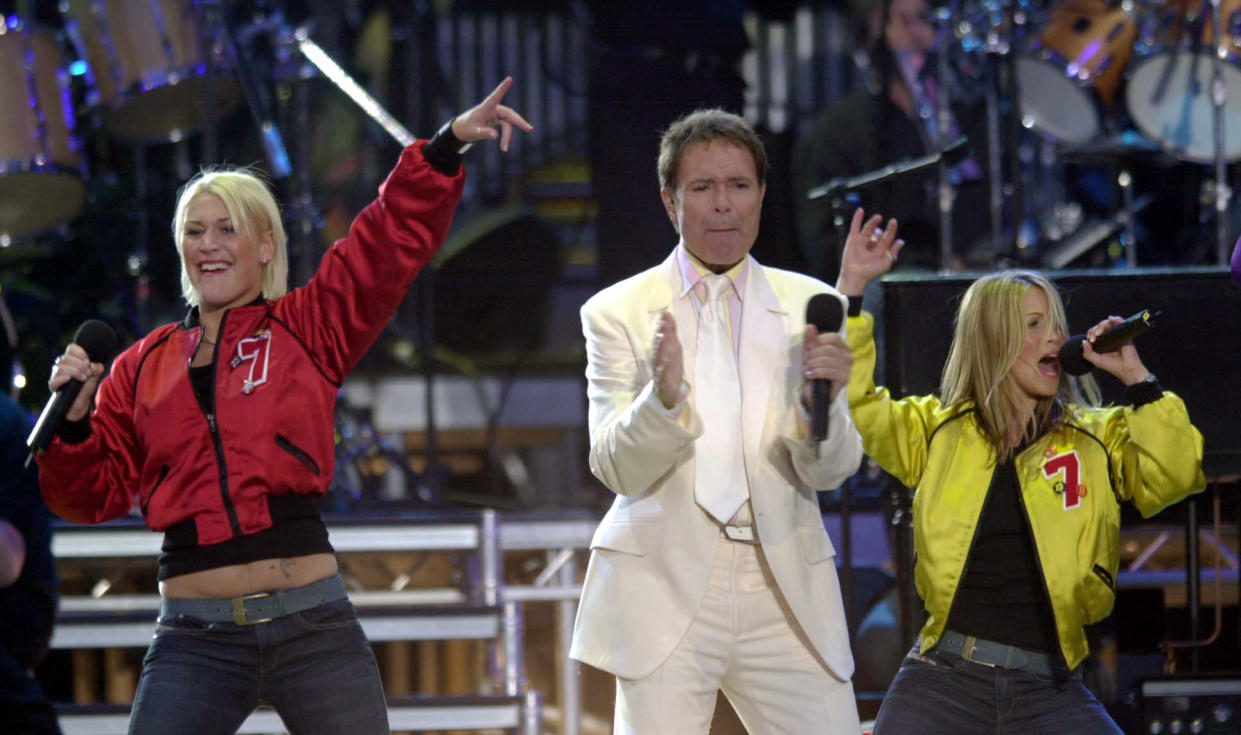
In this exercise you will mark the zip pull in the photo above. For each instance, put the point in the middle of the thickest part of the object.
(211, 422)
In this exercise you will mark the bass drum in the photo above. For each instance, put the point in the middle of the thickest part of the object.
(1169, 91)
(41, 181)
(1068, 81)
(147, 68)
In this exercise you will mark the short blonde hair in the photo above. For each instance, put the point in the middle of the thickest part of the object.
(254, 212)
(987, 339)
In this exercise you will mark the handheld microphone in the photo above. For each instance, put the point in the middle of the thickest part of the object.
(1071, 358)
(825, 313)
(99, 341)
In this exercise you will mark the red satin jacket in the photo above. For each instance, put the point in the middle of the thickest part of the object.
(278, 367)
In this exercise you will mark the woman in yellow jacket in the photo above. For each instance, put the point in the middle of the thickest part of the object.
(1018, 478)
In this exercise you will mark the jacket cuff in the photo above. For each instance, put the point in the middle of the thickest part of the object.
(1140, 394)
(855, 305)
(74, 432)
(444, 150)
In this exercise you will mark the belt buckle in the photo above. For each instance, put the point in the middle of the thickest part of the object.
(740, 533)
(968, 646)
(239, 609)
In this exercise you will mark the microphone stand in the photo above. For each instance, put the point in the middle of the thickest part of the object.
(1219, 95)
(844, 184)
(256, 100)
(947, 193)
(995, 181)
(841, 191)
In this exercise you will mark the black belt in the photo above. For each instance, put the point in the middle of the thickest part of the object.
(257, 608)
(990, 653)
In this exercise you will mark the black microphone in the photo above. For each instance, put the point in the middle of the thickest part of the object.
(825, 313)
(99, 341)
(1071, 358)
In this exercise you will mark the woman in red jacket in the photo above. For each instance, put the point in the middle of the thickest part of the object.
(220, 429)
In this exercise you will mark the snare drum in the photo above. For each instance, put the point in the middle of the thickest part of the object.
(1169, 91)
(1069, 80)
(40, 165)
(147, 69)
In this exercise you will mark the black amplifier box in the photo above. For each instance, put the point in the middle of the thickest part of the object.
(1192, 705)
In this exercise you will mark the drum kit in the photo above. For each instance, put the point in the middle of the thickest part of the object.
(1108, 81)
(135, 69)
(1158, 58)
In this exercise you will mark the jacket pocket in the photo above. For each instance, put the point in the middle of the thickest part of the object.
(301, 455)
(1100, 593)
(625, 537)
(1106, 576)
(816, 546)
(163, 475)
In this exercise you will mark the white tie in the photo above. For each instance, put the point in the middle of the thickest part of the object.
(720, 485)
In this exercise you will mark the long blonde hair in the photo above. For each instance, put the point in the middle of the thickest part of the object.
(987, 339)
(254, 213)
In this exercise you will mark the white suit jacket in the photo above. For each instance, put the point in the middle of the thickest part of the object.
(652, 555)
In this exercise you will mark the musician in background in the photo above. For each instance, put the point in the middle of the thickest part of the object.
(891, 118)
(29, 586)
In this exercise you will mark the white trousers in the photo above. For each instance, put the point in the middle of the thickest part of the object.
(745, 642)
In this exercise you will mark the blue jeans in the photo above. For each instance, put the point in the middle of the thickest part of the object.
(315, 668)
(943, 694)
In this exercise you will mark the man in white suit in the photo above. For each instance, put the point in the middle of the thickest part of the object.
(712, 570)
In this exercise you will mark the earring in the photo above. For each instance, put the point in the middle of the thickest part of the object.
(264, 261)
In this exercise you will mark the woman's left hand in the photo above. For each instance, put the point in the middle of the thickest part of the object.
(1124, 363)
(481, 121)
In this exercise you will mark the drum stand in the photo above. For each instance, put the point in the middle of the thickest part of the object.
(1218, 98)
(943, 115)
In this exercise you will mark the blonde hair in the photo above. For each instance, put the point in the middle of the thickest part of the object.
(987, 339)
(254, 213)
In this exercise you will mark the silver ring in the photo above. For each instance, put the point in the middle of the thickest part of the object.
(891, 258)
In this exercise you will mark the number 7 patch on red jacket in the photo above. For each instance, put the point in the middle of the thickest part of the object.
(1069, 485)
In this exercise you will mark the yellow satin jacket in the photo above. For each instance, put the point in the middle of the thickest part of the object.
(1072, 482)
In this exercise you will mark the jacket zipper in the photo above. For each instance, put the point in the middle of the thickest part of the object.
(1038, 559)
(1038, 556)
(209, 412)
(969, 554)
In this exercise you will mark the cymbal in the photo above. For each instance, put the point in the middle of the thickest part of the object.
(1124, 143)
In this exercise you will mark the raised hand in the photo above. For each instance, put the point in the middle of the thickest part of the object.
(481, 121)
(869, 252)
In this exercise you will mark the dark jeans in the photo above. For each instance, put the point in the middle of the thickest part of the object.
(315, 668)
(940, 693)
